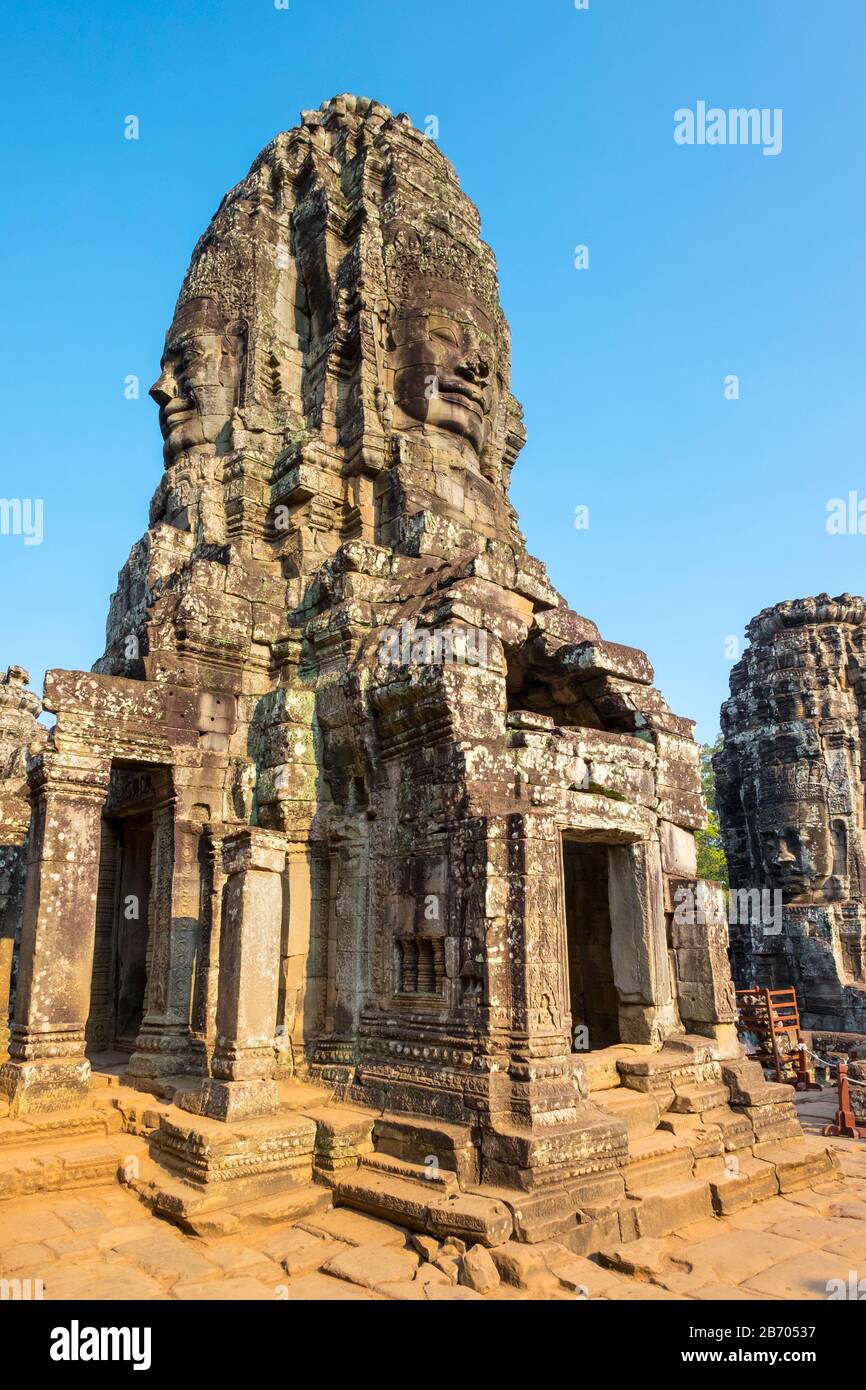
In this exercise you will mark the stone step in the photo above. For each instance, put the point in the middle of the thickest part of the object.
(50, 1128)
(600, 1071)
(301, 1095)
(282, 1208)
(658, 1210)
(745, 1180)
(106, 1081)
(659, 1075)
(704, 1140)
(409, 1201)
(774, 1122)
(637, 1111)
(344, 1134)
(798, 1162)
(601, 1066)
(694, 1098)
(61, 1166)
(736, 1130)
(432, 1178)
(423, 1140)
(660, 1158)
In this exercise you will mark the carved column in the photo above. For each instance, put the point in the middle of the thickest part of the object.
(207, 964)
(243, 1063)
(47, 1069)
(295, 966)
(164, 1045)
(638, 942)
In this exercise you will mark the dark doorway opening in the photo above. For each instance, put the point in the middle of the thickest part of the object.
(593, 997)
(131, 934)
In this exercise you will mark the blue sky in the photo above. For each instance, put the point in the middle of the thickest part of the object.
(705, 261)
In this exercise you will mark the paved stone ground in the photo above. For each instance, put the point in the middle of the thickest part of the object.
(101, 1243)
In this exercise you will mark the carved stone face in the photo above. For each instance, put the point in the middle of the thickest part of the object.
(444, 365)
(200, 378)
(797, 849)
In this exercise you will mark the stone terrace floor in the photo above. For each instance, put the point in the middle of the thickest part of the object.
(101, 1243)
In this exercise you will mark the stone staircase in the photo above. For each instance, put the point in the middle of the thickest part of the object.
(700, 1138)
(705, 1137)
(59, 1150)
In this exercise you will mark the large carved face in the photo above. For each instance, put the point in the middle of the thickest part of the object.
(200, 377)
(797, 848)
(444, 364)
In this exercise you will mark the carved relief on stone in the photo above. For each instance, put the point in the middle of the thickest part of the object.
(791, 800)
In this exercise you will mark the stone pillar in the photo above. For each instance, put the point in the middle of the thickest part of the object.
(164, 1046)
(207, 964)
(47, 1069)
(295, 966)
(638, 942)
(699, 950)
(243, 1063)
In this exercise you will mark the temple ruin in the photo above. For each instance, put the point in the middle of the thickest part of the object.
(357, 844)
(790, 797)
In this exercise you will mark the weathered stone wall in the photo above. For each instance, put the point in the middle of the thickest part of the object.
(20, 734)
(791, 804)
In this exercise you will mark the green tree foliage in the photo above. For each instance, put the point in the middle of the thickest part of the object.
(712, 863)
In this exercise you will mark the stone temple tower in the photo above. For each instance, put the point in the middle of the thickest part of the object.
(353, 799)
(791, 804)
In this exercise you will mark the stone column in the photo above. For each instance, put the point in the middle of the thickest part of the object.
(296, 965)
(164, 1045)
(638, 942)
(207, 964)
(47, 1069)
(243, 1063)
(699, 942)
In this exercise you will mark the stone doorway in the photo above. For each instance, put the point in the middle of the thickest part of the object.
(593, 997)
(121, 947)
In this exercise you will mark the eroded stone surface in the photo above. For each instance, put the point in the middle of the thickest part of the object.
(790, 798)
(20, 735)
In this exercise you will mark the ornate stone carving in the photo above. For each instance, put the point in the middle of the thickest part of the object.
(790, 787)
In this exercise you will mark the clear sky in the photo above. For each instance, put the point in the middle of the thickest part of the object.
(705, 261)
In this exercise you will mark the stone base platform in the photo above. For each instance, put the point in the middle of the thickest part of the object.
(687, 1138)
(673, 1136)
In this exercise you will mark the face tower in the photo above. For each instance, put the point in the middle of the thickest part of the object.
(790, 793)
(390, 815)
